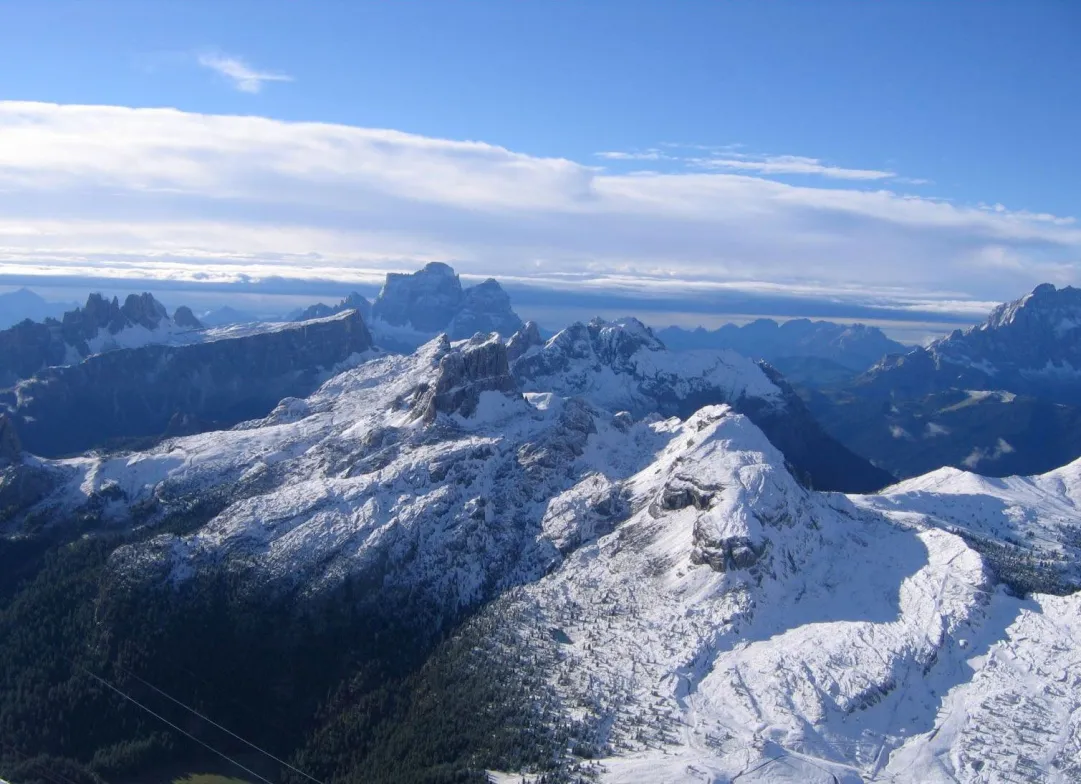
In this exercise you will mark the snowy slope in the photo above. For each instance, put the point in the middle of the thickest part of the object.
(838, 641)
(1039, 515)
(622, 366)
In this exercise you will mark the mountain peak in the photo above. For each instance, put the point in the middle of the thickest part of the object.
(1044, 306)
(426, 300)
(144, 310)
(354, 301)
(439, 268)
(432, 300)
(183, 317)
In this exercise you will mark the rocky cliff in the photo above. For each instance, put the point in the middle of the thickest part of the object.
(143, 392)
(100, 325)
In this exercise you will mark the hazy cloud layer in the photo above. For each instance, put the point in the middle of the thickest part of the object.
(100, 191)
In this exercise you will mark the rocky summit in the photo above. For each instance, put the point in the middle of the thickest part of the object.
(413, 307)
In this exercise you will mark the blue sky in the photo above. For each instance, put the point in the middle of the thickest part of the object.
(912, 155)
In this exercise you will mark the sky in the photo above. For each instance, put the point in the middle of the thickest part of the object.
(891, 160)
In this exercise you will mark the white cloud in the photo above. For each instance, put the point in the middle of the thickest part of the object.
(792, 164)
(988, 455)
(171, 194)
(730, 158)
(641, 155)
(243, 76)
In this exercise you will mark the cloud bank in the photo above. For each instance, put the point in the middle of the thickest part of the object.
(161, 194)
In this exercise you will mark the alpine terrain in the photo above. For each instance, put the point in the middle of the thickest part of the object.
(586, 558)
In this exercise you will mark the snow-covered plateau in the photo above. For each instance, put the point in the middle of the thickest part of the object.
(703, 615)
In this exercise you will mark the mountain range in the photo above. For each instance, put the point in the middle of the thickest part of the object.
(805, 351)
(583, 558)
(101, 325)
(585, 545)
(139, 373)
(1003, 397)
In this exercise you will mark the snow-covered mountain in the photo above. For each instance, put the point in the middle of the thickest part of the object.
(738, 626)
(183, 382)
(1003, 397)
(1031, 346)
(614, 520)
(622, 365)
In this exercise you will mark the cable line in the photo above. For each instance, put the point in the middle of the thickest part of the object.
(161, 718)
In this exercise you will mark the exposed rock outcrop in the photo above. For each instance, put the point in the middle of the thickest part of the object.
(464, 373)
(523, 340)
(432, 300)
(428, 300)
(484, 308)
(10, 446)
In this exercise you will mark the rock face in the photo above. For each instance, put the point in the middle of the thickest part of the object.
(141, 392)
(484, 308)
(1002, 398)
(99, 325)
(523, 340)
(464, 374)
(428, 300)
(432, 300)
(816, 349)
(355, 301)
(10, 446)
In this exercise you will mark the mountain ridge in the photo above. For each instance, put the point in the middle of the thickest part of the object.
(100, 325)
(1002, 396)
(852, 347)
